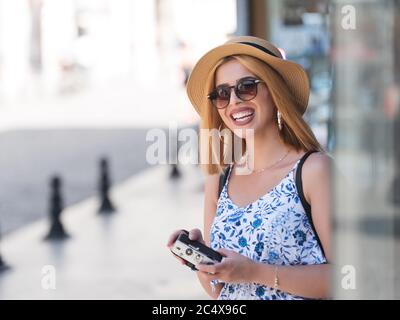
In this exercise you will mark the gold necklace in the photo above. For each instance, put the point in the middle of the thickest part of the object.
(271, 166)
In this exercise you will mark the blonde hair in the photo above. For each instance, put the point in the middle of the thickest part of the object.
(295, 131)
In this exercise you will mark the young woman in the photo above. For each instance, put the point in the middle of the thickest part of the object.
(272, 248)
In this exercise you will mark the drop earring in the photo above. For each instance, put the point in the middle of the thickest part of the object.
(279, 116)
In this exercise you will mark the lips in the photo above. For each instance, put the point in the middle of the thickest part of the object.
(242, 116)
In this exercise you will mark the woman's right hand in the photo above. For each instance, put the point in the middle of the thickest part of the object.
(194, 234)
(204, 278)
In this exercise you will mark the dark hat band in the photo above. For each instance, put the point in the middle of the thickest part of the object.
(260, 48)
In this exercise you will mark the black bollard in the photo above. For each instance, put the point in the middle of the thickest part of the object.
(173, 156)
(175, 173)
(3, 265)
(57, 231)
(106, 204)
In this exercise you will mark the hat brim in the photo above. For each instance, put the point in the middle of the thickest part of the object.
(292, 73)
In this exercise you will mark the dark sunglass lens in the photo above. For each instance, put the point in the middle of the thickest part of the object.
(223, 93)
(222, 97)
(247, 89)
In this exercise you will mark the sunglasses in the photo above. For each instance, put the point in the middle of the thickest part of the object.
(245, 90)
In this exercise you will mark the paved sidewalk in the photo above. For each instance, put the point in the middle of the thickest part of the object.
(121, 256)
(29, 158)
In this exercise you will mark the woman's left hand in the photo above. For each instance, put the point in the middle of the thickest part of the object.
(234, 268)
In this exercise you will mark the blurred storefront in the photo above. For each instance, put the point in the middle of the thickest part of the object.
(351, 52)
(301, 28)
(365, 56)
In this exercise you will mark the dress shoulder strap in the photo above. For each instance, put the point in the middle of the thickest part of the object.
(299, 183)
(304, 202)
(222, 179)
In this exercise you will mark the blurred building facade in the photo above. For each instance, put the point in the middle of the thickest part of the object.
(350, 50)
(365, 56)
(302, 29)
(49, 47)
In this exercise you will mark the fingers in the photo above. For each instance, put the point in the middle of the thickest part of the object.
(213, 268)
(208, 277)
(180, 259)
(173, 237)
(195, 234)
(224, 252)
(206, 268)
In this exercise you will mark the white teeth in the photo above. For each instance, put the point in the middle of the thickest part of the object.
(242, 114)
(241, 119)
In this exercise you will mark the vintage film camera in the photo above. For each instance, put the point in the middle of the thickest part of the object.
(194, 252)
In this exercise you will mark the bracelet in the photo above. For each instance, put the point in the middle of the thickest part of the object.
(212, 285)
(276, 280)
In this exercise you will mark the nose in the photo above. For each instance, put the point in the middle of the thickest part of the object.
(234, 99)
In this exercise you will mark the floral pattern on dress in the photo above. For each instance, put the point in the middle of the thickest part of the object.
(273, 229)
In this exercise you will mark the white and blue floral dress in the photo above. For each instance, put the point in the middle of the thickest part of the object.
(274, 230)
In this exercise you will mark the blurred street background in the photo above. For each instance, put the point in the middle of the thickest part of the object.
(83, 81)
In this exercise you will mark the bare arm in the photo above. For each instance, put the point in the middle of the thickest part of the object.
(311, 281)
(210, 207)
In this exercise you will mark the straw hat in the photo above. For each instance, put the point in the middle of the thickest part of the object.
(292, 73)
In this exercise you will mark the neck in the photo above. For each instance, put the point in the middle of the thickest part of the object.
(268, 148)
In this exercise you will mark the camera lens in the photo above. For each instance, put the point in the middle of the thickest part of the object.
(189, 251)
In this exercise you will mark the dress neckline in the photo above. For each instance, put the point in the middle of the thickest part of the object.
(261, 197)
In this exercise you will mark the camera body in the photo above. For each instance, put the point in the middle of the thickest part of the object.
(194, 252)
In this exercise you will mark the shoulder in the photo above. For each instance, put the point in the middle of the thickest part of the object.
(316, 173)
(211, 180)
(317, 162)
(317, 191)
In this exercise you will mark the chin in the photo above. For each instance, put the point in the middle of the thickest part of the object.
(244, 131)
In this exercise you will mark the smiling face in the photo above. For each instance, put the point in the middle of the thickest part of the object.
(257, 114)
